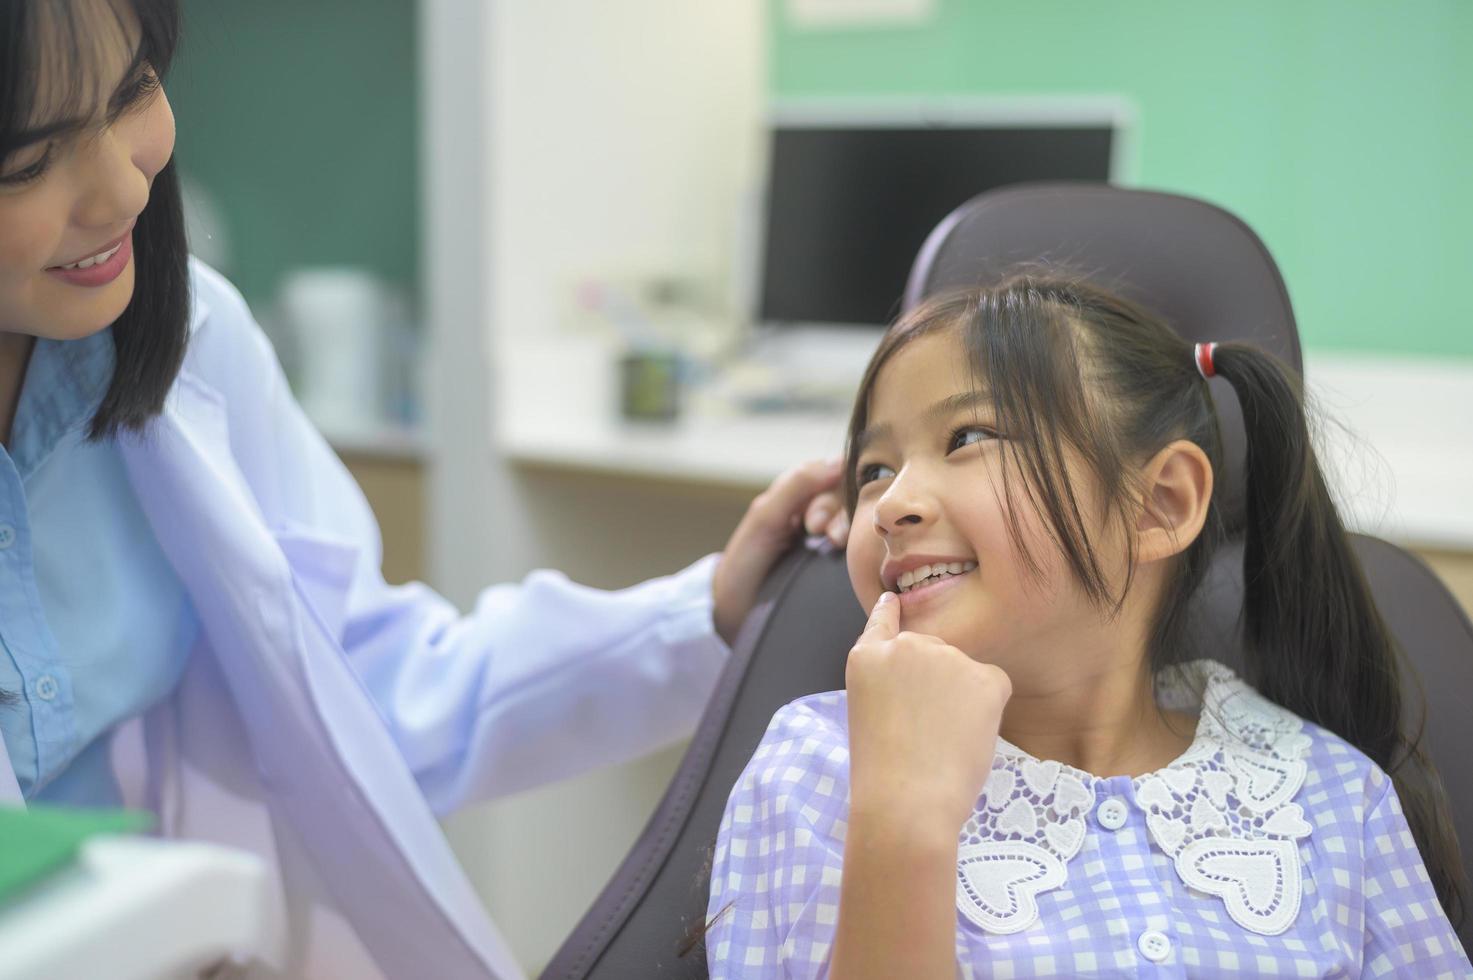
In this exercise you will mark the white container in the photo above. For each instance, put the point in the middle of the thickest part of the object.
(134, 908)
(340, 320)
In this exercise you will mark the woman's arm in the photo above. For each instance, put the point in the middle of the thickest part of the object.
(541, 680)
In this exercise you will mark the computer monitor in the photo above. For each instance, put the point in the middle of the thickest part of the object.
(853, 190)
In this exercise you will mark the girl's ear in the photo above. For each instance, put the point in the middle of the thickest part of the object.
(1176, 491)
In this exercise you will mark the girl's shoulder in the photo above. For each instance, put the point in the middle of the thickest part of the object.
(806, 739)
(1272, 751)
(823, 717)
(796, 780)
(1342, 783)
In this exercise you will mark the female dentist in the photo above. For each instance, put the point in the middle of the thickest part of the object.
(191, 611)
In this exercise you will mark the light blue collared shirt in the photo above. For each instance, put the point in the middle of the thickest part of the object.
(95, 626)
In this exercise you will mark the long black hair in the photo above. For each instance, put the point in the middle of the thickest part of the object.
(60, 43)
(1069, 366)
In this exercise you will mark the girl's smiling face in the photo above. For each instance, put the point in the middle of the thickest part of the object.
(72, 197)
(931, 493)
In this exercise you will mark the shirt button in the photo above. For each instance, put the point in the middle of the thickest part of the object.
(46, 688)
(7, 536)
(1112, 813)
(1154, 945)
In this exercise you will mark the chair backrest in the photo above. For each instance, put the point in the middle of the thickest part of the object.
(796, 640)
(1189, 261)
(794, 643)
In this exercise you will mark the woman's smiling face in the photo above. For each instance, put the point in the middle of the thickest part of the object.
(70, 199)
(930, 475)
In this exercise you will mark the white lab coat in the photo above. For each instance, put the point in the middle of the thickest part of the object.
(326, 718)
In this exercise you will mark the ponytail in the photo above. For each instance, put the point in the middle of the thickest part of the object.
(1315, 642)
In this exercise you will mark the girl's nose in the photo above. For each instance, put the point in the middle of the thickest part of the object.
(116, 190)
(902, 505)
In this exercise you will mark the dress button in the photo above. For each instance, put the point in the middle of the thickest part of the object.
(46, 688)
(1154, 945)
(1112, 813)
(7, 536)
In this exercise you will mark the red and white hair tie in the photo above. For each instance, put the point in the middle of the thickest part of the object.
(1203, 354)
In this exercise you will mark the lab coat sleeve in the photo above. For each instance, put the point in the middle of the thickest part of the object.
(542, 680)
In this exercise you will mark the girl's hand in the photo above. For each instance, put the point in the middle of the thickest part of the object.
(923, 722)
(804, 495)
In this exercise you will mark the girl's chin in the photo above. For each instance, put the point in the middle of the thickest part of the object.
(957, 631)
(968, 632)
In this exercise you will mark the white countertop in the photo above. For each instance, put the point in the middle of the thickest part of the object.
(1400, 459)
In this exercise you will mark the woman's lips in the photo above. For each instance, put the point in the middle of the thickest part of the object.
(101, 273)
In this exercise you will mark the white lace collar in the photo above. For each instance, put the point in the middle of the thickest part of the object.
(1223, 812)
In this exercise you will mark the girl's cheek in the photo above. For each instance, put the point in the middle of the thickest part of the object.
(863, 557)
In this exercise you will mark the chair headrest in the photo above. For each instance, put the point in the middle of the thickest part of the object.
(1193, 263)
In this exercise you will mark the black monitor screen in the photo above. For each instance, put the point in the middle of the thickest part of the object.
(848, 208)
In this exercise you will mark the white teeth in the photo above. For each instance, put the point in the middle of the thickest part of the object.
(919, 576)
(100, 257)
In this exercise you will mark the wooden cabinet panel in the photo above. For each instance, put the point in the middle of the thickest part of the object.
(395, 490)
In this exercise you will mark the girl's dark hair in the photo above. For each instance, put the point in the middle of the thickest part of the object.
(1070, 367)
(61, 44)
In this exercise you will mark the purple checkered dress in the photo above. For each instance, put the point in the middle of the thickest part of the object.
(1270, 848)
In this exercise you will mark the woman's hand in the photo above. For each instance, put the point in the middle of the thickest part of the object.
(805, 495)
(923, 722)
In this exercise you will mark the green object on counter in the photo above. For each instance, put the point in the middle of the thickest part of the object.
(650, 386)
(38, 841)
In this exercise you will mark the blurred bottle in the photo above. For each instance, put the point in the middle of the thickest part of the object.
(352, 349)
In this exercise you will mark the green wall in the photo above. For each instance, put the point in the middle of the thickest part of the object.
(299, 118)
(1341, 130)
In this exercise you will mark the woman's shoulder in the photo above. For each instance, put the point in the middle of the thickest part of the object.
(216, 306)
(226, 346)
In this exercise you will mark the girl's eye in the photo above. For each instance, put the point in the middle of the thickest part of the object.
(33, 171)
(870, 472)
(969, 435)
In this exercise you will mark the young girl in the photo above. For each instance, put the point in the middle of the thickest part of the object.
(1031, 773)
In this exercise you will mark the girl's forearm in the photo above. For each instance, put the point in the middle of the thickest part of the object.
(897, 901)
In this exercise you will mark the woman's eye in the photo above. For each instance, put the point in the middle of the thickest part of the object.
(870, 472)
(32, 171)
(969, 435)
(137, 91)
